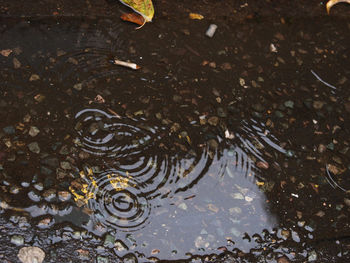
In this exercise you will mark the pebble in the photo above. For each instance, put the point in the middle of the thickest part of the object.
(312, 256)
(109, 241)
(318, 104)
(34, 147)
(78, 86)
(31, 255)
(33, 131)
(211, 30)
(214, 120)
(65, 165)
(289, 104)
(17, 240)
(182, 206)
(34, 77)
(120, 246)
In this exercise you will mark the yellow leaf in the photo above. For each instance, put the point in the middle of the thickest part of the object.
(143, 7)
(196, 16)
(331, 3)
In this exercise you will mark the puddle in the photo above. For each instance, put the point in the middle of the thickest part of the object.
(236, 144)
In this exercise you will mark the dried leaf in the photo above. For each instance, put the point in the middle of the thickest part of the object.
(142, 7)
(6, 52)
(196, 16)
(133, 18)
(331, 3)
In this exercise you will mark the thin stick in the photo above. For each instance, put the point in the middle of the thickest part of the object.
(125, 64)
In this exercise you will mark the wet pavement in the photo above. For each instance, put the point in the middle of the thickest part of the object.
(233, 148)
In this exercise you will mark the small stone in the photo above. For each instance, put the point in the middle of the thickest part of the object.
(33, 131)
(120, 246)
(78, 86)
(65, 165)
(17, 240)
(182, 206)
(318, 104)
(285, 234)
(109, 241)
(31, 255)
(312, 256)
(289, 104)
(34, 77)
(214, 120)
(241, 82)
(34, 147)
(64, 150)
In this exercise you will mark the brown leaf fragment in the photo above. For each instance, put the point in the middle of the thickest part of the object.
(331, 3)
(133, 18)
(6, 52)
(196, 16)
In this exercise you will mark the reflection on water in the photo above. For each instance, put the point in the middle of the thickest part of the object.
(167, 166)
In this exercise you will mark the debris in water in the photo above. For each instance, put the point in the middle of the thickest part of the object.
(125, 64)
(331, 3)
(6, 52)
(196, 16)
(211, 30)
(31, 254)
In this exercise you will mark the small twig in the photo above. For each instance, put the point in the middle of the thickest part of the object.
(125, 64)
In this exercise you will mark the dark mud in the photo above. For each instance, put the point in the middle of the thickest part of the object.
(226, 149)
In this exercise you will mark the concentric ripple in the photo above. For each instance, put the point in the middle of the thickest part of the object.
(103, 134)
(117, 201)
